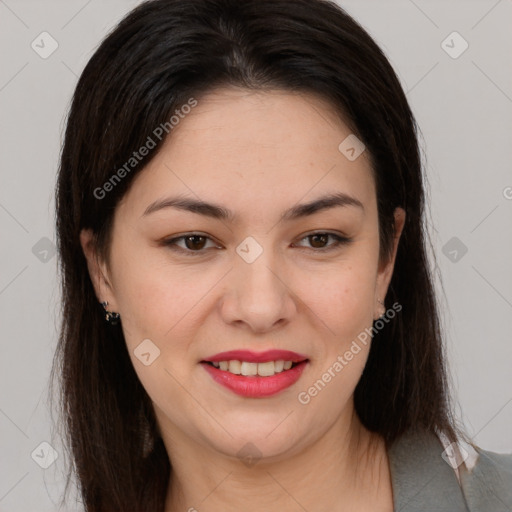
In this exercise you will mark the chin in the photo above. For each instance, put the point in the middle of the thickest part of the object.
(250, 447)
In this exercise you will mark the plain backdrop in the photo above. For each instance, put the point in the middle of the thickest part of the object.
(463, 105)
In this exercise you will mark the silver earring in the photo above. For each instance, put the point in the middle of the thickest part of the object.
(110, 316)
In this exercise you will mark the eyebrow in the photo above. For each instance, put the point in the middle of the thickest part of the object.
(215, 211)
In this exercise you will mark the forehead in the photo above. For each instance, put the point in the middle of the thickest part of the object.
(254, 149)
(266, 122)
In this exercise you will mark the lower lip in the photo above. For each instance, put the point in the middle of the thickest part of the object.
(255, 386)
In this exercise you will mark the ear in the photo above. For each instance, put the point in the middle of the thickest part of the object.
(98, 270)
(386, 270)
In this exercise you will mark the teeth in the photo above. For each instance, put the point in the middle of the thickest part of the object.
(266, 369)
(235, 367)
(250, 369)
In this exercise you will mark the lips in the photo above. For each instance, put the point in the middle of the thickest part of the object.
(257, 357)
(256, 374)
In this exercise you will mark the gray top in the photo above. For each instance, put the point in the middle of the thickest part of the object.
(423, 481)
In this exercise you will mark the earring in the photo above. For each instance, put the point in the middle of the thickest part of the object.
(110, 316)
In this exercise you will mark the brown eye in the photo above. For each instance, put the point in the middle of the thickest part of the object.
(195, 242)
(320, 240)
(190, 245)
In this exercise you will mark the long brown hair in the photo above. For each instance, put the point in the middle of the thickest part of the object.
(159, 56)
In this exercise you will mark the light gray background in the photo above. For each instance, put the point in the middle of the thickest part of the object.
(463, 107)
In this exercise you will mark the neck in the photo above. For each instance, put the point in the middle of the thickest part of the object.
(346, 469)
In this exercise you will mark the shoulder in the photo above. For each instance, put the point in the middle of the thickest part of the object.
(422, 478)
(487, 481)
(428, 471)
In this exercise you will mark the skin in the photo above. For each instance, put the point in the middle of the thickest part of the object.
(258, 154)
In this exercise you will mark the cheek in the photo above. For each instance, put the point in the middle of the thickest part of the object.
(158, 302)
(153, 294)
(344, 303)
(342, 298)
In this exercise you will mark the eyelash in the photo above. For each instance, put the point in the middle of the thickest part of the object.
(171, 243)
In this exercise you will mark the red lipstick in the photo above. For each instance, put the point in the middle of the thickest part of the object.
(256, 386)
(257, 357)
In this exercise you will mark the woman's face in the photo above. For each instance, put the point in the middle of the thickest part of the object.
(256, 279)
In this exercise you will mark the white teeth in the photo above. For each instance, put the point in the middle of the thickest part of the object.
(235, 367)
(247, 369)
(266, 369)
(278, 366)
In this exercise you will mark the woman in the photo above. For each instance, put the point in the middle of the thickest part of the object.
(249, 319)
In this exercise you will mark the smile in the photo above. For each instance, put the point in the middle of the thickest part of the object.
(247, 369)
(256, 375)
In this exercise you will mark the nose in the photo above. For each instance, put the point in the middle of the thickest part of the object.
(258, 295)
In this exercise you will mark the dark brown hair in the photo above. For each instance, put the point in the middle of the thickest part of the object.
(159, 56)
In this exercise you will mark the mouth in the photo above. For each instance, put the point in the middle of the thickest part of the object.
(256, 375)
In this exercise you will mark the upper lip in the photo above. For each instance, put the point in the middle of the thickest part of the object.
(257, 357)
